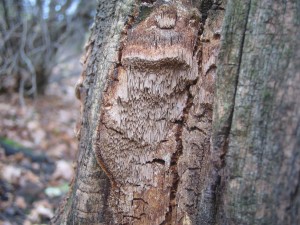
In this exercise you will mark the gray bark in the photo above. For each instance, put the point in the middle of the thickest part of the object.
(256, 113)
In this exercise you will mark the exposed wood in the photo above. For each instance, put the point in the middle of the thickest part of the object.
(145, 107)
(154, 117)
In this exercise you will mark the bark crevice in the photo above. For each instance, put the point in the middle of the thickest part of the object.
(169, 218)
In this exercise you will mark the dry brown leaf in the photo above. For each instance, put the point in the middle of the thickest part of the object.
(20, 202)
(63, 170)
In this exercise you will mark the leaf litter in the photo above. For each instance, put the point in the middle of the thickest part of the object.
(37, 151)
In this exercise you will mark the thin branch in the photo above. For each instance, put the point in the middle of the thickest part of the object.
(28, 62)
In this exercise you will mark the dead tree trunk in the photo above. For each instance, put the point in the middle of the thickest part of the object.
(154, 146)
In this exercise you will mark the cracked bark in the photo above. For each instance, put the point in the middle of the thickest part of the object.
(256, 130)
(154, 146)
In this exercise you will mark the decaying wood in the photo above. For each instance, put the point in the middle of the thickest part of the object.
(153, 140)
(151, 105)
(143, 110)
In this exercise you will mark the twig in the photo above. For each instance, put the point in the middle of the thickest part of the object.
(28, 62)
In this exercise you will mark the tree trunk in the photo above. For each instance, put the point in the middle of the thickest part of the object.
(154, 145)
(256, 128)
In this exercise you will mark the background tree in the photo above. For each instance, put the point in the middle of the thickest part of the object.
(160, 151)
(32, 33)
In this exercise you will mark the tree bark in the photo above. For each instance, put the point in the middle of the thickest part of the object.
(171, 135)
(256, 135)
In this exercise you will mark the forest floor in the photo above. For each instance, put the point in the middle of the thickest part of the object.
(37, 149)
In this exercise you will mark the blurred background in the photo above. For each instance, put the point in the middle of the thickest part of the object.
(41, 42)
